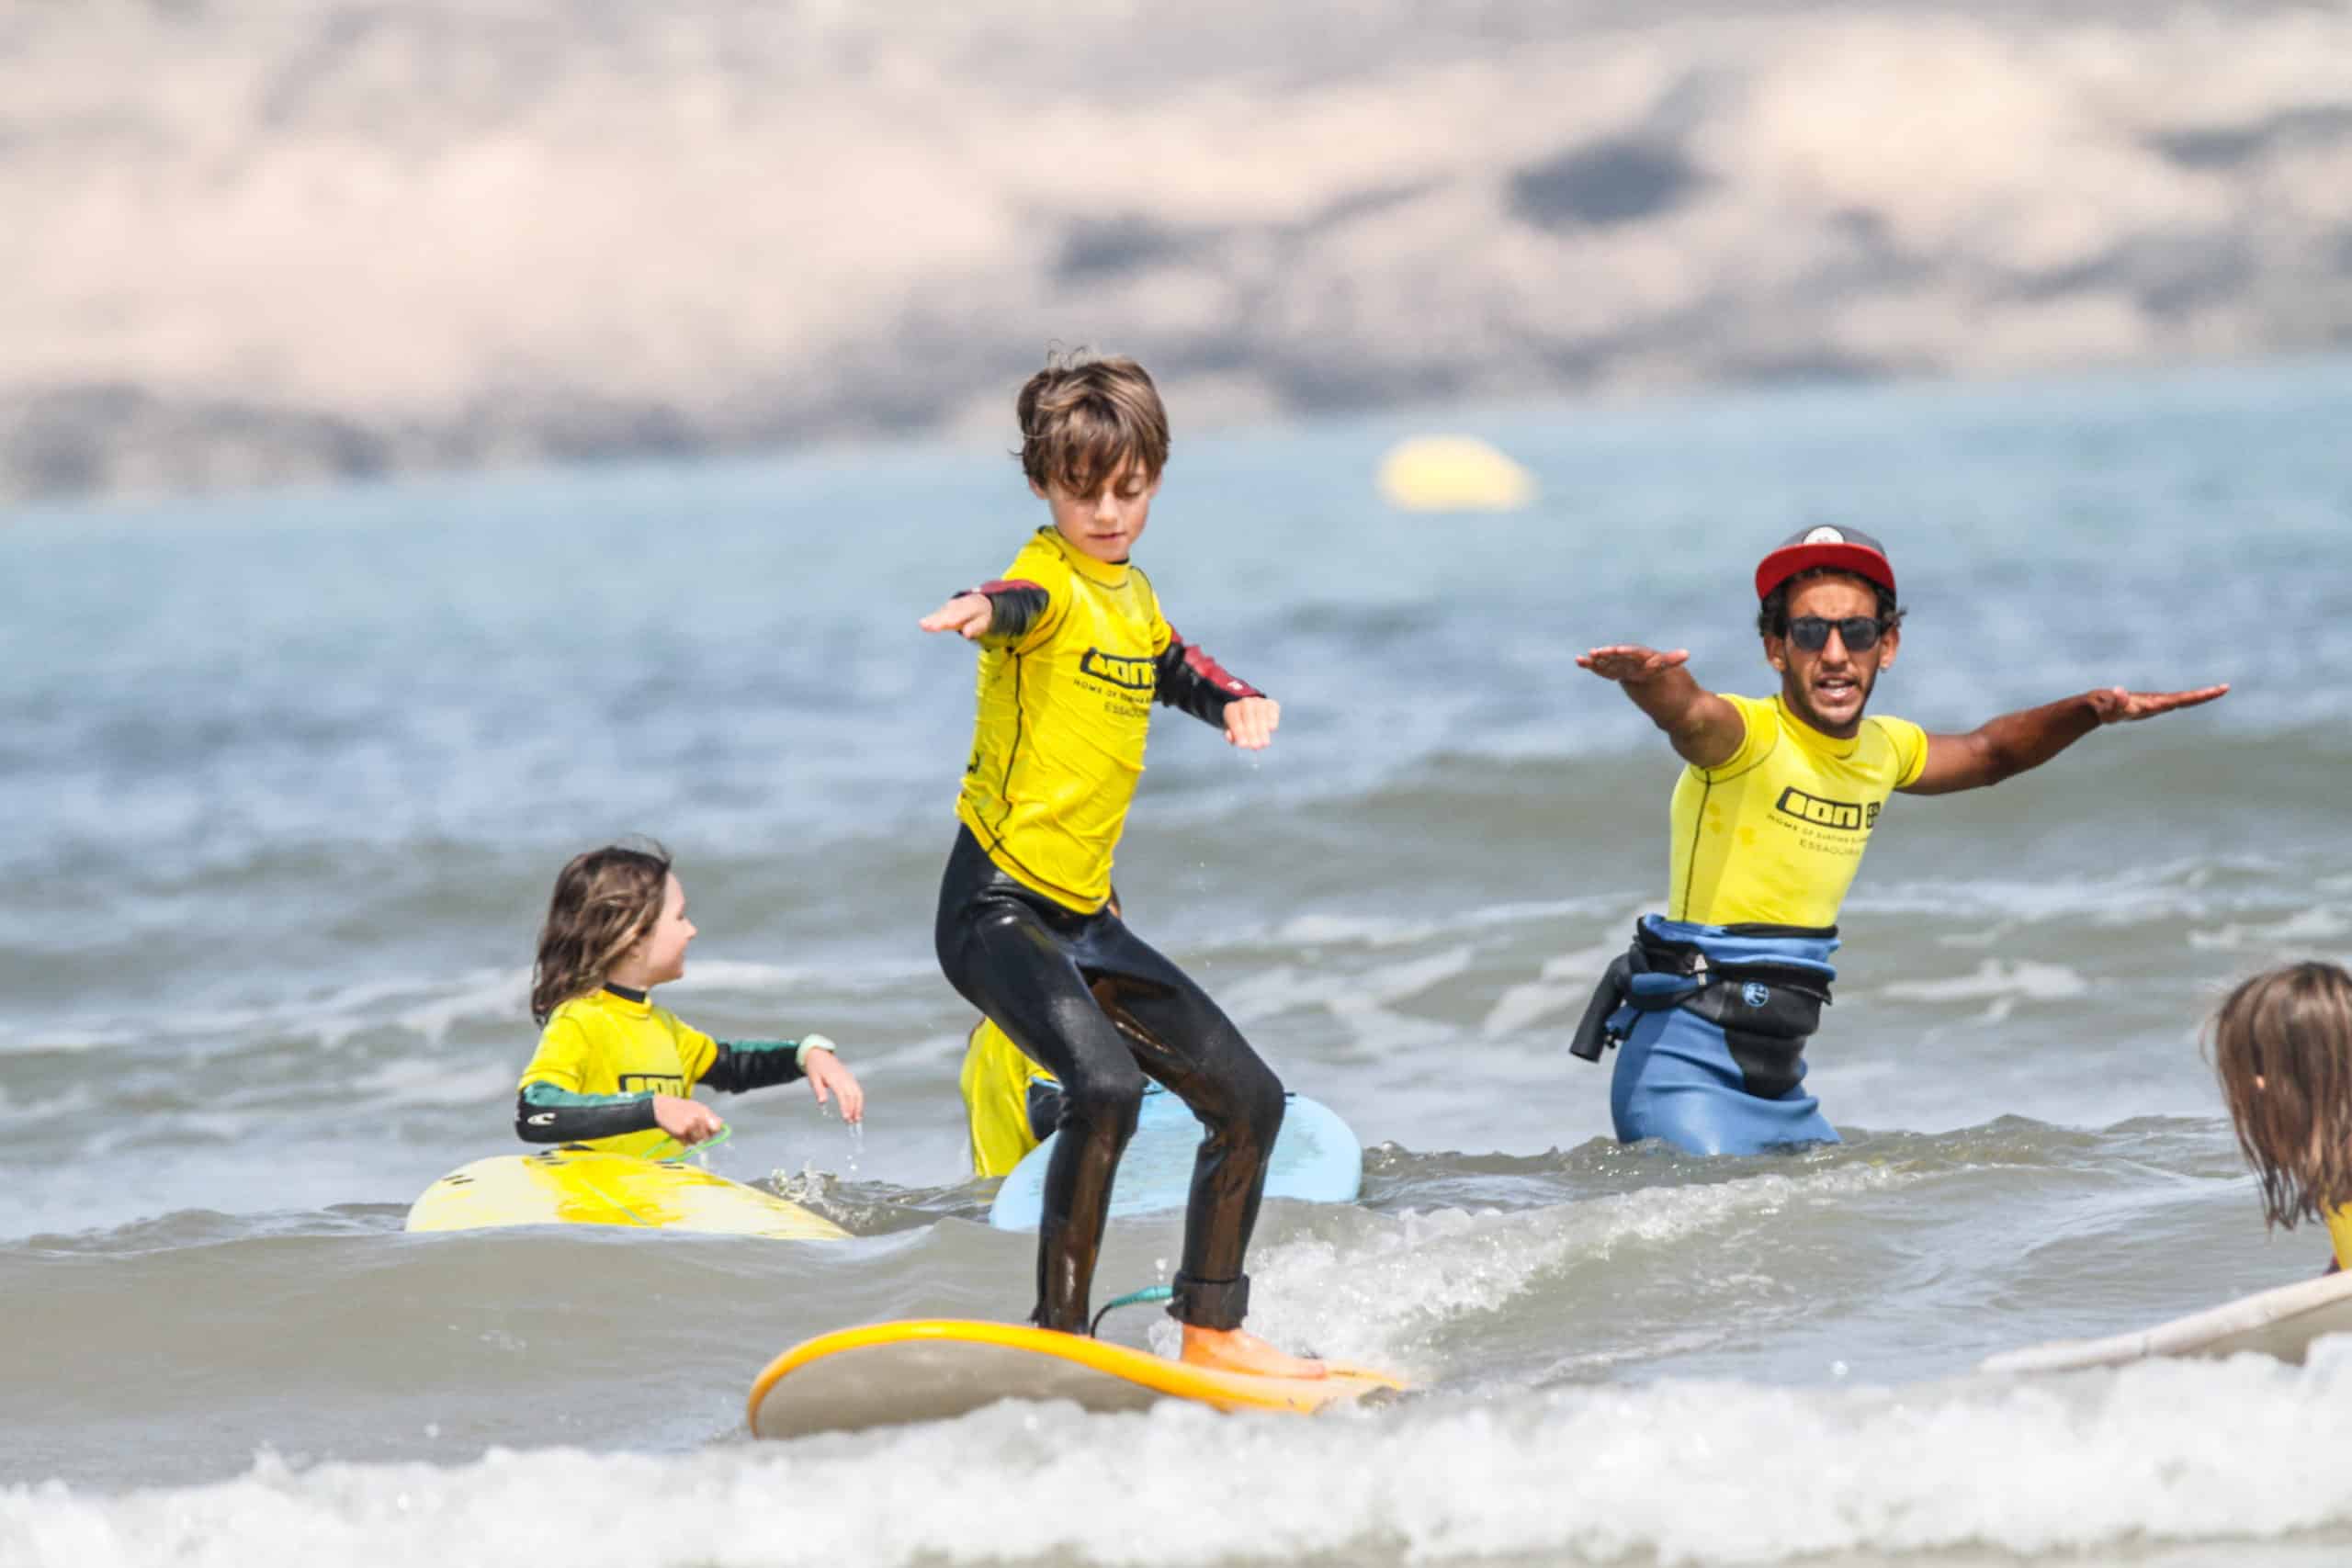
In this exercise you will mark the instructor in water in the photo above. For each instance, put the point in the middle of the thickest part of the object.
(1712, 1006)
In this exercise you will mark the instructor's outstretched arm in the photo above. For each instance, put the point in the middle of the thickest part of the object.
(1705, 730)
(2010, 744)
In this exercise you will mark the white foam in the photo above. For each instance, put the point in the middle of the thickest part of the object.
(432, 1005)
(1676, 1473)
(1363, 1004)
(1359, 999)
(1268, 993)
(1352, 930)
(2134, 896)
(81, 1037)
(1564, 985)
(406, 1081)
(1380, 932)
(23, 1117)
(741, 976)
(2304, 928)
(1374, 1292)
(1994, 980)
(427, 1005)
(483, 996)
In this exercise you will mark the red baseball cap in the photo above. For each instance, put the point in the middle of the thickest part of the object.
(1848, 549)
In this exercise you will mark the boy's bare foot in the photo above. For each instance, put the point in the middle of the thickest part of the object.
(1237, 1350)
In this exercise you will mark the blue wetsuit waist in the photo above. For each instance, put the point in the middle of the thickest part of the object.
(1765, 981)
(1713, 1022)
(1804, 947)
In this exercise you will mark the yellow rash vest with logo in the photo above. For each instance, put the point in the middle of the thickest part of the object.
(1774, 835)
(603, 1057)
(1076, 654)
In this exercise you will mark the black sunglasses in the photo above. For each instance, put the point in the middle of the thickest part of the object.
(1859, 633)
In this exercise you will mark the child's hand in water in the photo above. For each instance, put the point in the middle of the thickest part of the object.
(688, 1121)
(827, 1079)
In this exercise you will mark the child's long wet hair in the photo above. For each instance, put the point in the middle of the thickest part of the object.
(2282, 1044)
(604, 904)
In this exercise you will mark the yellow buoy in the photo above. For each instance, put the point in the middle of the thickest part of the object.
(1452, 473)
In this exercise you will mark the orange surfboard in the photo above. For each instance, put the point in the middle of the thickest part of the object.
(933, 1369)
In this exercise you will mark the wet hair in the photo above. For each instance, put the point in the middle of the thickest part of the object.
(605, 902)
(1772, 616)
(1082, 419)
(2291, 1029)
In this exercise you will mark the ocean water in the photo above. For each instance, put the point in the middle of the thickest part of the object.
(285, 779)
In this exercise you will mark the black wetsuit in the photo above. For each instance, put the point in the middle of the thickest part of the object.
(1099, 1009)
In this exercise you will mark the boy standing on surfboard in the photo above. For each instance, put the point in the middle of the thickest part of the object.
(1074, 652)
(1714, 1002)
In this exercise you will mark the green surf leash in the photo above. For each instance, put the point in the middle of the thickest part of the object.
(1133, 1298)
(681, 1151)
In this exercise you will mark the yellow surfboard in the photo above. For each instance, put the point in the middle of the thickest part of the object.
(589, 1187)
(932, 1369)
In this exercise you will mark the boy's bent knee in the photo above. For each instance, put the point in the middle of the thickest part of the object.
(1245, 1106)
(1105, 1101)
(1263, 1102)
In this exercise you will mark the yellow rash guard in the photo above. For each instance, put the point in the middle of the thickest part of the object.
(995, 1082)
(606, 1043)
(1076, 654)
(1774, 835)
(2340, 1231)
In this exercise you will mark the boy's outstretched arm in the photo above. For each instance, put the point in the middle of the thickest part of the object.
(1705, 730)
(2008, 745)
(1004, 608)
(1187, 678)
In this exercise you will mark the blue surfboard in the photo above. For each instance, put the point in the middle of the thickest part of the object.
(1315, 1158)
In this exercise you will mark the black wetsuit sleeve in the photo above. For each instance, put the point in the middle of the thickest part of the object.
(1194, 683)
(754, 1063)
(1014, 606)
(546, 1114)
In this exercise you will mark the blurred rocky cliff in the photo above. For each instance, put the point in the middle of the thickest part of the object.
(250, 240)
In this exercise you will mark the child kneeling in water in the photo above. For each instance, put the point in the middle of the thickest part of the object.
(2282, 1044)
(613, 1071)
